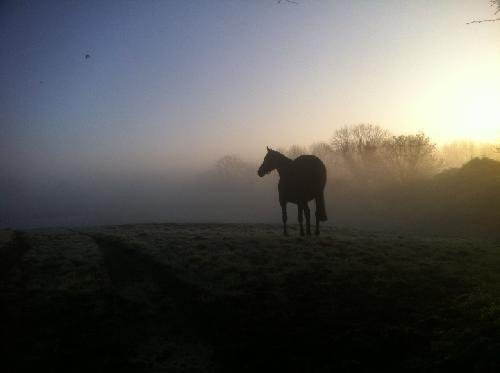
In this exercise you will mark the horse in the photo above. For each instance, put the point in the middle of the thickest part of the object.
(301, 180)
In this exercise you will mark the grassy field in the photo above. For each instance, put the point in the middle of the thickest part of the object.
(242, 298)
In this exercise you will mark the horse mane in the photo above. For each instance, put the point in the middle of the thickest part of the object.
(281, 157)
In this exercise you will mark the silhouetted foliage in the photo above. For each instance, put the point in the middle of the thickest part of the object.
(359, 148)
(411, 157)
(360, 139)
(373, 156)
(466, 199)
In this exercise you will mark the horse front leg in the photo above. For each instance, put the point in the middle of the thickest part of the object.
(301, 210)
(284, 218)
(316, 214)
(308, 219)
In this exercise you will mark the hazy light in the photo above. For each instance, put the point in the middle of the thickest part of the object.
(465, 105)
(477, 110)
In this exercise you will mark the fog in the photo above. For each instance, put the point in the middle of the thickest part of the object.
(89, 197)
(376, 180)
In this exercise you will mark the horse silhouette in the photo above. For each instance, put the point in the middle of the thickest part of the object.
(301, 180)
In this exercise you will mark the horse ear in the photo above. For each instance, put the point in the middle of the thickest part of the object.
(268, 148)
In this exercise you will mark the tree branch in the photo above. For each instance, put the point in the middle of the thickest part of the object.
(483, 20)
(495, 3)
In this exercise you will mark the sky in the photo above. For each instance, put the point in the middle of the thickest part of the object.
(152, 86)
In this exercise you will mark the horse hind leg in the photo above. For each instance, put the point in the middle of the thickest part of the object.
(316, 231)
(300, 216)
(320, 211)
(307, 212)
(284, 218)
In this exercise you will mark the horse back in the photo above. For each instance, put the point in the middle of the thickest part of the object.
(305, 180)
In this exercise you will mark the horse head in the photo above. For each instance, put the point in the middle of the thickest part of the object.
(269, 163)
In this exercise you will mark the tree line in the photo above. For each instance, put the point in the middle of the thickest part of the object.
(372, 155)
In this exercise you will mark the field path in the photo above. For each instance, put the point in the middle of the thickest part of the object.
(13, 247)
(127, 265)
(154, 307)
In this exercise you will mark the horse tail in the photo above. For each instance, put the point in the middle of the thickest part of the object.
(320, 207)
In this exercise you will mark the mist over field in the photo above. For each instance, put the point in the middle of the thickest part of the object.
(375, 180)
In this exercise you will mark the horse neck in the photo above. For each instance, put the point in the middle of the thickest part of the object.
(283, 164)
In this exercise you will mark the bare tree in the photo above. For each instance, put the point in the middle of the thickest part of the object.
(361, 138)
(411, 157)
(358, 146)
(232, 167)
(295, 150)
(330, 158)
(321, 150)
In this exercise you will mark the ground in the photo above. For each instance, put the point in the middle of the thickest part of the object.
(210, 298)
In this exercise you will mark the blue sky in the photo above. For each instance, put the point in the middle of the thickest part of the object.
(179, 83)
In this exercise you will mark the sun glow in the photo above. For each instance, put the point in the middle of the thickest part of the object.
(468, 107)
(477, 111)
